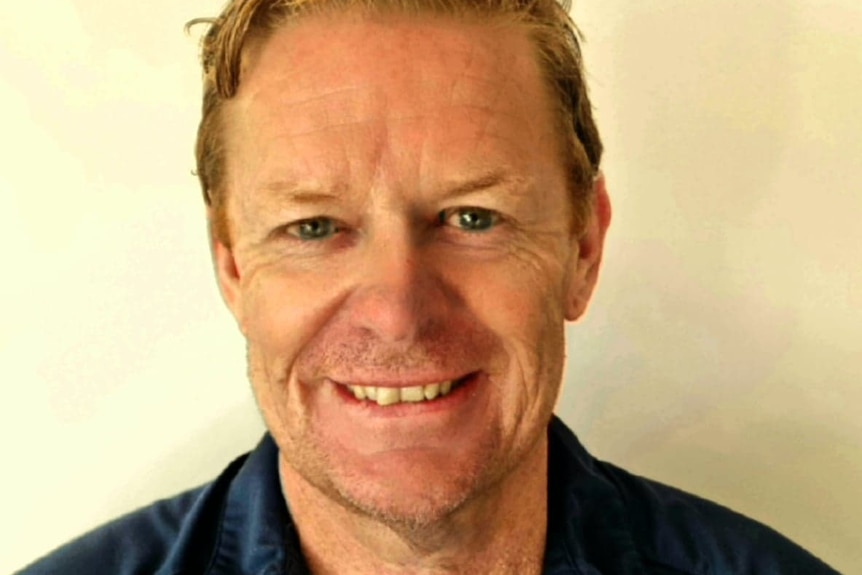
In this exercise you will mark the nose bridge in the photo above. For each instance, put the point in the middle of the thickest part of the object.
(393, 293)
(391, 259)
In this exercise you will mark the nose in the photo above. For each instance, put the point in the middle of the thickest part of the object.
(396, 297)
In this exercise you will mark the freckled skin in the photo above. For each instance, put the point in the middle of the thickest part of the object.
(372, 125)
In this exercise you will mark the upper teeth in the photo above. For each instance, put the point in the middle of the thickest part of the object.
(391, 395)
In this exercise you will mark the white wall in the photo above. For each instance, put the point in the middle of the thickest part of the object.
(722, 352)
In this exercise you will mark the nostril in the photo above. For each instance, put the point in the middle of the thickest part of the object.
(392, 315)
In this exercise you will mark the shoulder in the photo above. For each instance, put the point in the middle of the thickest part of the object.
(144, 541)
(693, 535)
(665, 530)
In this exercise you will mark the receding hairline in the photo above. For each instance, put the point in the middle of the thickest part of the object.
(361, 13)
(259, 27)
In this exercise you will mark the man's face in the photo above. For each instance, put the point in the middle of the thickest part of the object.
(400, 221)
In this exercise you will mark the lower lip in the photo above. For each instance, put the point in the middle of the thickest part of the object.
(467, 388)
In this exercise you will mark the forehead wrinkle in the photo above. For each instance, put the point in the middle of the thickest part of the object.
(476, 84)
(310, 94)
(465, 87)
(383, 123)
(307, 78)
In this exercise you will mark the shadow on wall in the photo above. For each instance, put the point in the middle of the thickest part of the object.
(782, 468)
(196, 459)
(716, 356)
(700, 112)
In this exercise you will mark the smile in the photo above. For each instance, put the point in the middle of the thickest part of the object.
(386, 396)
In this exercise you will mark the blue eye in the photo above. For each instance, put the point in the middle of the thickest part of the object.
(470, 219)
(313, 229)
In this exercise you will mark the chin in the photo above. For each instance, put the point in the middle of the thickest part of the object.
(408, 511)
(417, 490)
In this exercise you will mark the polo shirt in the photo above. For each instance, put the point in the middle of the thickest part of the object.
(602, 520)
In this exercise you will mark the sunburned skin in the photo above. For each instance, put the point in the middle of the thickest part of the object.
(401, 221)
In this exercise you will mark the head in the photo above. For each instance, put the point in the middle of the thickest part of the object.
(404, 211)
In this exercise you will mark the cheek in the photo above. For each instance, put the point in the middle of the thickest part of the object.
(519, 298)
(520, 302)
(283, 311)
(521, 291)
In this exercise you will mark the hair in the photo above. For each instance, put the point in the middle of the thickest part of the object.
(553, 33)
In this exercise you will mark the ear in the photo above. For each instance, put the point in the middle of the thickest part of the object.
(226, 270)
(587, 254)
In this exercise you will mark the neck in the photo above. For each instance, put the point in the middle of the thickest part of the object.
(499, 532)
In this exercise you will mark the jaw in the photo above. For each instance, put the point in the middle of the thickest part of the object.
(406, 464)
(432, 521)
(409, 466)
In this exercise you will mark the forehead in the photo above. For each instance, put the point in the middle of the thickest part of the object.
(393, 84)
(319, 50)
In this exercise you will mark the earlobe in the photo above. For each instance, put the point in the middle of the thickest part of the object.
(584, 270)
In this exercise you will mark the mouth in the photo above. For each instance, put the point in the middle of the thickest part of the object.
(389, 396)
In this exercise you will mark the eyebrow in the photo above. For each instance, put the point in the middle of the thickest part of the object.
(497, 179)
(297, 193)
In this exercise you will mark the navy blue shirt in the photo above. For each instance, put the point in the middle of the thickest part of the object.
(602, 520)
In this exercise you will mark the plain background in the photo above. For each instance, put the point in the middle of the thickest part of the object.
(722, 353)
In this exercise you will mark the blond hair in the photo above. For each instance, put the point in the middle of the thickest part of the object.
(551, 30)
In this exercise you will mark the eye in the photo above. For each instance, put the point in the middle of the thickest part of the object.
(470, 219)
(313, 229)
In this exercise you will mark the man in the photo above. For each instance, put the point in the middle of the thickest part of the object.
(405, 206)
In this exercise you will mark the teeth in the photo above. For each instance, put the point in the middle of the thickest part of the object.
(431, 391)
(388, 396)
(385, 396)
(413, 394)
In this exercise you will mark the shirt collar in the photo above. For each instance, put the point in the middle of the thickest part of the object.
(588, 530)
(257, 535)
